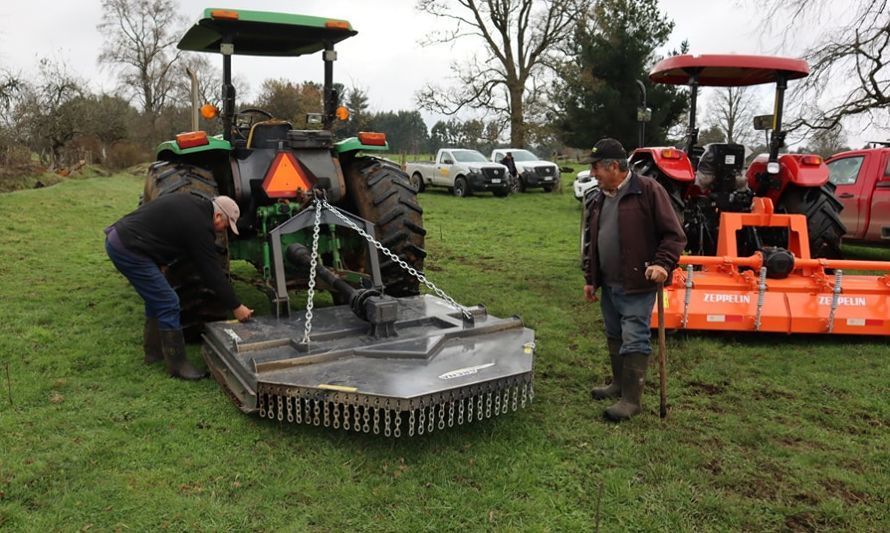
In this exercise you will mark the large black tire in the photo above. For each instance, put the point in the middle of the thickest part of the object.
(198, 304)
(461, 187)
(381, 193)
(822, 210)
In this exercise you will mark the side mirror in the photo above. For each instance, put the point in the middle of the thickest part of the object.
(763, 122)
(447, 162)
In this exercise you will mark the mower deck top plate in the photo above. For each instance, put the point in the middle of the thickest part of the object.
(435, 353)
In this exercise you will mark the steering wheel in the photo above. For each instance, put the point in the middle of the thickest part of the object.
(245, 119)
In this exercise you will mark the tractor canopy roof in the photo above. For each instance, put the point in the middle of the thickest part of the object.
(261, 33)
(727, 70)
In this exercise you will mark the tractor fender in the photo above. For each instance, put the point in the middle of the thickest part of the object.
(676, 166)
(794, 169)
(169, 150)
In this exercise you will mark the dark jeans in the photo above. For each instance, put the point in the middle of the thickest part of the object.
(627, 318)
(161, 301)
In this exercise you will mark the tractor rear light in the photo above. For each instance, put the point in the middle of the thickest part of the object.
(224, 14)
(670, 153)
(337, 24)
(811, 160)
(192, 139)
(286, 178)
(209, 111)
(372, 138)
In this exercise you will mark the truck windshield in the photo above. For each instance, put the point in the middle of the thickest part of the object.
(523, 155)
(469, 156)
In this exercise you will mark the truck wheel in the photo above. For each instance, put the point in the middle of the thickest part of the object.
(198, 304)
(822, 210)
(461, 187)
(417, 182)
(381, 193)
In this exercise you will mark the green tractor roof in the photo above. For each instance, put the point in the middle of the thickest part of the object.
(262, 33)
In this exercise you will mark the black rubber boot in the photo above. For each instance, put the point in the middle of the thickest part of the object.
(633, 378)
(613, 390)
(151, 342)
(178, 365)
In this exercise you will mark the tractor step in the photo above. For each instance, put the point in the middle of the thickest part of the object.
(440, 370)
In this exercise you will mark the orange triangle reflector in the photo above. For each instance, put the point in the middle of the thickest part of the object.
(286, 177)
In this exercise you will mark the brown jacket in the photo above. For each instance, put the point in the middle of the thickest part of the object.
(648, 230)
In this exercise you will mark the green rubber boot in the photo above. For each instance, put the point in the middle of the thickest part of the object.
(633, 378)
(178, 365)
(151, 342)
(612, 390)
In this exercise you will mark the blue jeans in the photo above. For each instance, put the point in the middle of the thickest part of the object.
(161, 301)
(627, 318)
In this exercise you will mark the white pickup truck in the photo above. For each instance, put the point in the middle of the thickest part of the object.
(532, 172)
(463, 171)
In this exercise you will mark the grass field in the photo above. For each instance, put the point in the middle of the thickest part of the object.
(765, 433)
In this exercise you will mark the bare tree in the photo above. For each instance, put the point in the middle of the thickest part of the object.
(732, 111)
(519, 38)
(852, 53)
(140, 38)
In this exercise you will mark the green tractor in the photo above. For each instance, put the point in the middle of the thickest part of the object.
(384, 359)
(243, 161)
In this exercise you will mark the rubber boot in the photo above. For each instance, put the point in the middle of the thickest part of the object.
(613, 390)
(178, 365)
(633, 378)
(151, 342)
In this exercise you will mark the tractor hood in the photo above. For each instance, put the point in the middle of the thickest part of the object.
(261, 33)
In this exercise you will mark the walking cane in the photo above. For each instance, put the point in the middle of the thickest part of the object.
(662, 352)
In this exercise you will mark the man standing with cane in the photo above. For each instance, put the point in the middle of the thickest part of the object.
(632, 240)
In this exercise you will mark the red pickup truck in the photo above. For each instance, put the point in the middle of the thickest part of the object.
(862, 178)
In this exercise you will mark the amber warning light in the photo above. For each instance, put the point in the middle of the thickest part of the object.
(286, 178)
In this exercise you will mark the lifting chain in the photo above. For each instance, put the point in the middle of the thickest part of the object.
(313, 265)
(398, 260)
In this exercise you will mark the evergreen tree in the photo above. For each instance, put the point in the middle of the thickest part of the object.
(613, 47)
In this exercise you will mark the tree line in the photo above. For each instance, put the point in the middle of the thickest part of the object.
(547, 74)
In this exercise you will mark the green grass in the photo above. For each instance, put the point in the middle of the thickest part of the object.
(765, 432)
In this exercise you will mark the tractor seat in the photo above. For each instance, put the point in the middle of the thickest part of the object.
(720, 166)
(268, 133)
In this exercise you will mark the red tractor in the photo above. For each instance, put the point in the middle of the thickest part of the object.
(704, 181)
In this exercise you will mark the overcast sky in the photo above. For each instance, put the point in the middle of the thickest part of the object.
(384, 59)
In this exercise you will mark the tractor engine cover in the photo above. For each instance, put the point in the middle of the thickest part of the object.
(438, 371)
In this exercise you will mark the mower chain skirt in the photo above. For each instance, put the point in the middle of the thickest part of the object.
(198, 304)
(822, 210)
(382, 193)
(439, 371)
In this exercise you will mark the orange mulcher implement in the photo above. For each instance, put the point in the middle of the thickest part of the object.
(732, 293)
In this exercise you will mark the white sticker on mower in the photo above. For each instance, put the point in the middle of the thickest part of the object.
(845, 301)
(855, 321)
(716, 318)
(232, 335)
(461, 372)
(717, 298)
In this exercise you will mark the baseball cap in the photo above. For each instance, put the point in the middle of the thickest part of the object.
(606, 148)
(230, 209)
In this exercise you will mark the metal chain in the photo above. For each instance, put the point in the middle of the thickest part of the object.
(405, 266)
(310, 296)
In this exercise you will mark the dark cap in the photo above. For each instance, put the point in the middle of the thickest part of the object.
(606, 148)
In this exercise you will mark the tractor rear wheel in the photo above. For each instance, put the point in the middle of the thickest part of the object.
(381, 193)
(822, 210)
(198, 304)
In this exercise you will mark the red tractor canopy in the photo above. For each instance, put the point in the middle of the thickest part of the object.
(727, 70)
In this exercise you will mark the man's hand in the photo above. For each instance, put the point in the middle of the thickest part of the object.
(590, 293)
(656, 273)
(243, 313)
